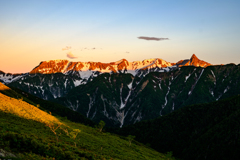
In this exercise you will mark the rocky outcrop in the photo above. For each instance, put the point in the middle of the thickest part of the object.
(122, 66)
(194, 61)
(4, 153)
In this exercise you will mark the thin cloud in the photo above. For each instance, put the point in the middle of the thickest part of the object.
(93, 48)
(66, 48)
(70, 55)
(153, 38)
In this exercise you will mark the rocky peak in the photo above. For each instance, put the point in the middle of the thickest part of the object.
(194, 61)
(122, 66)
(194, 57)
(52, 66)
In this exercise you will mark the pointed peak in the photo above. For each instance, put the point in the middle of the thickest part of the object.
(194, 56)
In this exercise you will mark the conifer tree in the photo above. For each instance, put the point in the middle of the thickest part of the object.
(101, 125)
(130, 138)
(74, 134)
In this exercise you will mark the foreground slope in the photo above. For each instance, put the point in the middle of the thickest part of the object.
(30, 133)
(203, 131)
(54, 108)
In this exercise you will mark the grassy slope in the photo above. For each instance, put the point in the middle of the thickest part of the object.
(32, 138)
(55, 108)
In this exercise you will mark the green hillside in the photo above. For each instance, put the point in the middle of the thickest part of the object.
(203, 131)
(24, 135)
(54, 108)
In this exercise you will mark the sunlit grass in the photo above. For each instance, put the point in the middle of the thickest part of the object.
(25, 110)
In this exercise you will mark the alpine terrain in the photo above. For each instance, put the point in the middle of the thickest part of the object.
(122, 93)
(31, 131)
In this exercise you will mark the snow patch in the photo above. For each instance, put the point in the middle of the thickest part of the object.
(65, 83)
(139, 117)
(213, 74)
(104, 106)
(133, 72)
(186, 78)
(196, 82)
(225, 90)
(130, 85)
(122, 104)
(85, 74)
(26, 83)
(212, 93)
(160, 85)
(167, 69)
(165, 99)
(89, 105)
(77, 82)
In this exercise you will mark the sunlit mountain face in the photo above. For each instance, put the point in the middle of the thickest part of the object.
(84, 70)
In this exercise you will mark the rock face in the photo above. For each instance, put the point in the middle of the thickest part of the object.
(4, 153)
(122, 66)
(194, 61)
(8, 77)
(85, 71)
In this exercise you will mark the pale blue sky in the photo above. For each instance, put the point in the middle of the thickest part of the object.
(36, 30)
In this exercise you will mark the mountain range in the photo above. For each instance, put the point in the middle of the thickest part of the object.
(86, 70)
(188, 109)
(122, 93)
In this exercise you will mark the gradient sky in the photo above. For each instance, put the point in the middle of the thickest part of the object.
(32, 31)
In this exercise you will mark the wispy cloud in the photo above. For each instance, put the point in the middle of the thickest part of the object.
(66, 48)
(153, 38)
(70, 55)
(93, 48)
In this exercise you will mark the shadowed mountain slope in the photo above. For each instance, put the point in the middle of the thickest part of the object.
(203, 131)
